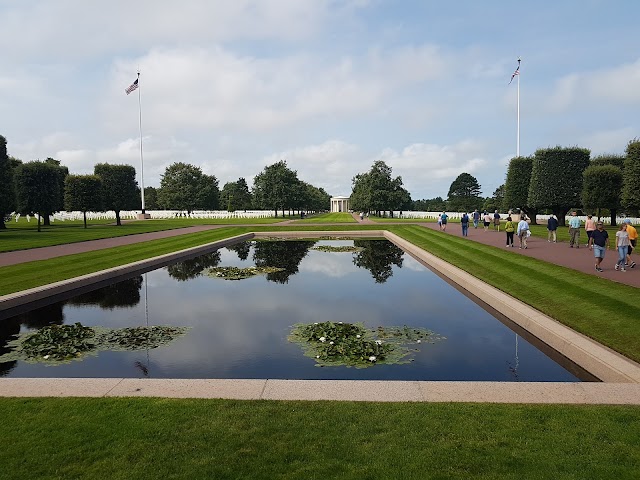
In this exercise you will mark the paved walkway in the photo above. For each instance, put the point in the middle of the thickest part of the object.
(557, 253)
(580, 259)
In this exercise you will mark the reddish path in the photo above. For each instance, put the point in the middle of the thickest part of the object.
(580, 259)
(559, 253)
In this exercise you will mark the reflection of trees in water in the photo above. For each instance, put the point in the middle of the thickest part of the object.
(378, 256)
(43, 316)
(242, 249)
(193, 267)
(122, 294)
(8, 328)
(285, 254)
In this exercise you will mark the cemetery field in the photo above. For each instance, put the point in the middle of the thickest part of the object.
(97, 438)
(22, 234)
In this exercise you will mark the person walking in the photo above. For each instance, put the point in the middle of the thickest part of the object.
(633, 240)
(552, 226)
(589, 227)
(496, 221)
(622, 244)
(574, 230)
(443, 220)
(476, 218)
(510, 229)
(440, 221)
(523, 232)
(487, 220)
(599, 242)
(464, 221)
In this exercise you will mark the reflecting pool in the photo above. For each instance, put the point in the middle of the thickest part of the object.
(239, 329)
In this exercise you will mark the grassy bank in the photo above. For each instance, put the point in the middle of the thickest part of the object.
(336, 217)
(166, 438)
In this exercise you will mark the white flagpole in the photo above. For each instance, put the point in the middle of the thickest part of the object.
(518, 130)
(141, 158)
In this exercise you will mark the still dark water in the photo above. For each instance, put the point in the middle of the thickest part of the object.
(239, 328)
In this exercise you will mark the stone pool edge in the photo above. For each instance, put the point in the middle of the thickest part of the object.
(621, 375)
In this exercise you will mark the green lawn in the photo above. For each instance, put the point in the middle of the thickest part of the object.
(337, 217)
(223, 439)
(23, 235)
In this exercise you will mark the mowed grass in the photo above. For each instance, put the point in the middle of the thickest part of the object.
(336, 217)
(601, 309)
(146, 438)
(23, 235)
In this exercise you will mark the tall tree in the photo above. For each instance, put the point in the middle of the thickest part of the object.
(235, 196)
(495, 202)
(377, 191)
(37, 188)
(516, 187)
(151, 198)
(464, 193)
(83, 193)
(185, 187)
(601, 188)
(631, 179)
(556, 179)
(7, 190)
(275, 187)
(119, 187)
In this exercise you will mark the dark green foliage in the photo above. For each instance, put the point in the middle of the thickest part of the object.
(193, 267)
(464, 194)
(83, 193)
(601, 188)
(378, 257)
(276, 187)
(7, 190)
(123, 294)
(120, 188)
(556, 179)
(376, 191)
(609, 159)
(185, 187)
(284, 255)
(496, 202)
(151, 198)
(516, 187)
(61, 175)
(235, 196)
(631, 182)
(437, 204)
(38, 188)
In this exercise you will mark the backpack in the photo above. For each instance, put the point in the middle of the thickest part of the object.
(509, 227)
(444, 217)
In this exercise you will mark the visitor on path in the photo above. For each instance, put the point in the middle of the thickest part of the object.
(599, 241)
(523, 232)
(443, 219)
(574, 230)
(633, 240)
(510, 228)
(589, 227)
(622, 244)
(464, 221)
(496, 221)
(476, 218)
(552, 226)
(487, 220)
(440, 221)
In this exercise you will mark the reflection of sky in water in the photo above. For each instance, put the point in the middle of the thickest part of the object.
(239, 328)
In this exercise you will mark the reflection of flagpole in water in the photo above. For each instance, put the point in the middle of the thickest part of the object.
(140, 365)
(517, 361)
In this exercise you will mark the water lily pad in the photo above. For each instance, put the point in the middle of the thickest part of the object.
(337, 249)
(237, 273)
(352, 345)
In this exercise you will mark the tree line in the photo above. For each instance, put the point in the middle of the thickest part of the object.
(46, 187)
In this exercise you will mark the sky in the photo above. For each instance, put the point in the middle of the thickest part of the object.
(330, 86)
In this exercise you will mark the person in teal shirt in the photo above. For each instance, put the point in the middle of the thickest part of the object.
(574, 230)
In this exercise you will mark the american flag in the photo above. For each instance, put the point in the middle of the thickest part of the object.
(132, 87)
(517, 72)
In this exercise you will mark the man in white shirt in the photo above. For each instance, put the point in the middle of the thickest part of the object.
(523, 231)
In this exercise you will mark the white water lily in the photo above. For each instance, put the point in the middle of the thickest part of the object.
(46, 357)
(330, 343)
(317, 356)
(419, 341)
(315, 323)
(322, 339)
(379, 342)
(357, 336)
(372, 358)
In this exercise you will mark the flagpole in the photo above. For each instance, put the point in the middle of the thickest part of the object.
(518, 129)
(141, 158)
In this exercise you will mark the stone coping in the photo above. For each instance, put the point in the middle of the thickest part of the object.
(341, 390)
(622, 376)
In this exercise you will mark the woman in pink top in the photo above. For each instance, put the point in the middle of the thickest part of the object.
(589, 226)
